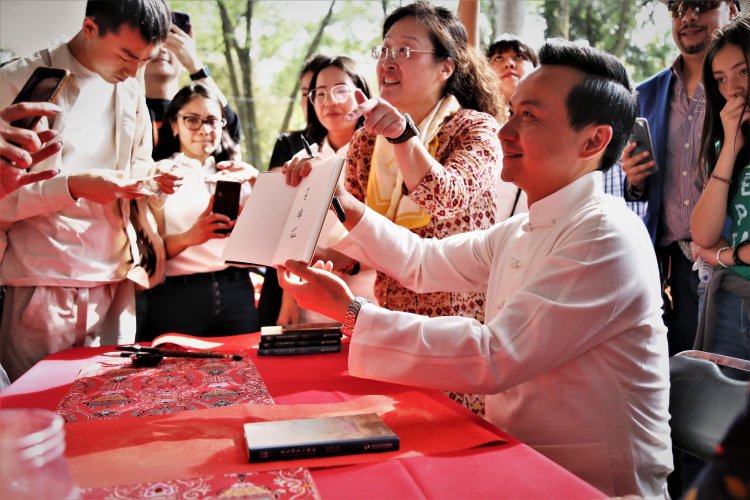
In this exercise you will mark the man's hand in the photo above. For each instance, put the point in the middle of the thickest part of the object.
(316, 288)
(183, 47)
(103, 186)
(21, 148)
(635, 172)
(239, 171)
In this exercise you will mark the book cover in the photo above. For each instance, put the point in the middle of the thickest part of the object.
(318, 437)
(271, 339)
(281, 342)
(308, 331)
(281, 222)
(293, 351)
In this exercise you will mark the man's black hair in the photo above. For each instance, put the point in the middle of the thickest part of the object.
(151, 17)
(604, 97)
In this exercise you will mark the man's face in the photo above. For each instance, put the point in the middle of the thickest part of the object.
(115, 56)
(692, 31)
(164, 66)
(540, 150)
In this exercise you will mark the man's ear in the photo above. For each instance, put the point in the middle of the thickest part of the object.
(596, 140)
(90, 29)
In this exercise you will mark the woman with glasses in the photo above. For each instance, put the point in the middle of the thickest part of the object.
(329, 100)
(428, 156)
(201, 295)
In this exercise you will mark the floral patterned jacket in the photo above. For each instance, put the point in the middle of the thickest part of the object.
(459, 194)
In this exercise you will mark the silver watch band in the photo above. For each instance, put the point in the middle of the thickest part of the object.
(352, 311)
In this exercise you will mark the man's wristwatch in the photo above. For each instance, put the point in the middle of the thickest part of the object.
(200, 74)
(410, 131)
(351, 315)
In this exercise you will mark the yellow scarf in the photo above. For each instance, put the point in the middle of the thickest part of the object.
(385, 180)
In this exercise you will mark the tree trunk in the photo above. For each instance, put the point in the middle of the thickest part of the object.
(510, 16)
(562, 21)
(623, 28)
(227, 32)
(313, 47)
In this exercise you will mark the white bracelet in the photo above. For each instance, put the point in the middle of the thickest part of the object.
(718, 256)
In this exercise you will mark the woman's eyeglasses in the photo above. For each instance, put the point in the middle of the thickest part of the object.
(381, 53)
(339, 93)
(193, 122)
(678, 8)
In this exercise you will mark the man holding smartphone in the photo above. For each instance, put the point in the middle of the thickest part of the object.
(69, 260)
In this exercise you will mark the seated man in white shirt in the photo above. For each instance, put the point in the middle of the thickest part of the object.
(573, 352)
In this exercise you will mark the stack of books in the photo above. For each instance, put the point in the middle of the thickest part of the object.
(310, 338)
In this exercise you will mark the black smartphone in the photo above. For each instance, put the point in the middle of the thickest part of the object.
(227, 200)
(182, 21)
(641, 135)
(42, 86)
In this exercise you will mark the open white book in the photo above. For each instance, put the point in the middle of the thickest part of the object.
(280, 222)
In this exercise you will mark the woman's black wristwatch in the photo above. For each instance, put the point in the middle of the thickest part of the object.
(410, 131)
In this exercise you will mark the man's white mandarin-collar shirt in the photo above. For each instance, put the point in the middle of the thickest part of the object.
(573, 353)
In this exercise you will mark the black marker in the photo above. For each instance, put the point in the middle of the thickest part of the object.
(335, 201)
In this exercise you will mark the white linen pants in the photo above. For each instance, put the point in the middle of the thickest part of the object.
(41, 320)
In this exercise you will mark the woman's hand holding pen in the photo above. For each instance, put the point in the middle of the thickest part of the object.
(297, 168)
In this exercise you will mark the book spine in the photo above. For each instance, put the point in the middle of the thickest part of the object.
(301, 336)
(298, 343)
(287, 351)
(374, 445)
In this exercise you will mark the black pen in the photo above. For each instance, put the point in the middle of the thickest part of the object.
(178, 354)
(335, 203)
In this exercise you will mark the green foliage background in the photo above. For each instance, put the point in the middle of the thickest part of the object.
(280, 38)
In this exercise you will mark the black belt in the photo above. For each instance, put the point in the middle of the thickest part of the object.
(228, 274)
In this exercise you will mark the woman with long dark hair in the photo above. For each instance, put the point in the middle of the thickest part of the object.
(724, 326)
(201, 295)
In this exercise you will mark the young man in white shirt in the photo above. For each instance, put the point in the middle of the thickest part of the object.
(573, 352)
(70, 251)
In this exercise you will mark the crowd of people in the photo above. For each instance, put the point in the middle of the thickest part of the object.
(502, 242)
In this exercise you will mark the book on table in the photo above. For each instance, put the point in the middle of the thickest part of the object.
(266, 350)
(306, 332)
(318, 437)
(280, 222)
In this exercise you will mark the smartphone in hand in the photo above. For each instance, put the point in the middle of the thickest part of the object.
(182, 21)
(641, 135)
(42, 86)
(227, 201)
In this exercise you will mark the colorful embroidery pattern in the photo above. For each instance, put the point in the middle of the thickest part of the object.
(118, 389)
(274, 484)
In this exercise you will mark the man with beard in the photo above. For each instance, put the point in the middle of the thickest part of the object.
(673, 101)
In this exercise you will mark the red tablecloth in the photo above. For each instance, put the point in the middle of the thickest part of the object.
(508, 470)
